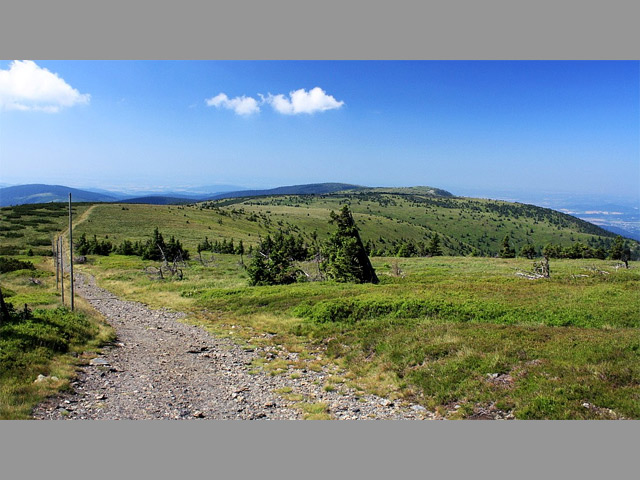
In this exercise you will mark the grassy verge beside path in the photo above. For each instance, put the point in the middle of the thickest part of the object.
(40, 349)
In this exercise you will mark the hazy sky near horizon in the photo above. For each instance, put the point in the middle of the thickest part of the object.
(559, 126)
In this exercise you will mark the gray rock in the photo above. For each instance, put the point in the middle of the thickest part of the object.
(99, 362)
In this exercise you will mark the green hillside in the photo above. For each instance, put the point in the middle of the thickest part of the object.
(461, 336)
(386, 218)
(33, 226)
(383, 217)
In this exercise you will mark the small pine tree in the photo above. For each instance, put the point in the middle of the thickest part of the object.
(507, 251)
(240, 248)
(346, 258)
(434, 246)
(528, 251)
(619, 250)
(271, 266)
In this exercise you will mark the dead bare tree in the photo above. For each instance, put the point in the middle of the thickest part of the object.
(171, 269)
(395, 270)
(540, 270)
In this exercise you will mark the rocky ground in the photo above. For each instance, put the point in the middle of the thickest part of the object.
(161, 368)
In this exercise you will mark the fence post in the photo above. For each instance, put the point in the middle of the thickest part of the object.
(71, 251)
(61, 269)
(57, 257)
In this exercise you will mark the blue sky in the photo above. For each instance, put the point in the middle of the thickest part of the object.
(565, 127)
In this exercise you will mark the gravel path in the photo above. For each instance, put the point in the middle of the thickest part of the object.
(161, 368)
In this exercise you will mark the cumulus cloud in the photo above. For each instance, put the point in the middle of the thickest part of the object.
(301, 101)
(26, 86)
(297, 102)
(241, 105)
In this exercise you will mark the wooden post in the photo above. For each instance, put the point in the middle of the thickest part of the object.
(57, 257)
(61, 271)
(71, 251)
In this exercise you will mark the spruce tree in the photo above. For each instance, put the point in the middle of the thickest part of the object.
(617, 249)
(507, 251)
(434, 246)
(528, 251)
(346, 258)
(271, 265)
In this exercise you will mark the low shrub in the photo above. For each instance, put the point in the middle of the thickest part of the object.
(11, 265)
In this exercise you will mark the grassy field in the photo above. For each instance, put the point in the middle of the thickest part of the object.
(461, 335)
(51, 341)
(464, 223)
(457, 334)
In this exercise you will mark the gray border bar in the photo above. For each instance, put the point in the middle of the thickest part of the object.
(305, 29)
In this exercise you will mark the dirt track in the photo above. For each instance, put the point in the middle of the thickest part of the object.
(161, 368)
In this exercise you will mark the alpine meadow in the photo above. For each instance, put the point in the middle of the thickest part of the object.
(144, 295)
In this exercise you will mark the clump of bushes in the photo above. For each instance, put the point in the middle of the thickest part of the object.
(272, 263)
(93, 246)
(11, 265)
(155, 248)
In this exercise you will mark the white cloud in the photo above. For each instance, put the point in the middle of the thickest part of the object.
(298, 101)
(241, 105)
(26, 86)
(301, 101)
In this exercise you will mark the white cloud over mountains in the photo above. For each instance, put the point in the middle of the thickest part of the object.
(26, 86)
(298, 102)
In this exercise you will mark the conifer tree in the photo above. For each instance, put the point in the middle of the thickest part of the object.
(270, 265)
(346, 258)
(507, 251)
(528, 251)
(617, 248)
(434, 246)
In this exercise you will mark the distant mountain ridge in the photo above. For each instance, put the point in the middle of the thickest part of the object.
(158, 200)
(306, 189)
(41, 193)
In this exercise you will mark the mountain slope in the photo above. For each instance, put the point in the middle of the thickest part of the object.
(40, 193)
(387, 218)
(159, 200)
(307, 189)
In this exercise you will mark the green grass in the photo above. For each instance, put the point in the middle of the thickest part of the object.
(34, 226)
(450, 331)
(48, 342)
(314, 411)
(436, 335)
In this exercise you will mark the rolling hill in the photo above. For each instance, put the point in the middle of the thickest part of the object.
(387, 218)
